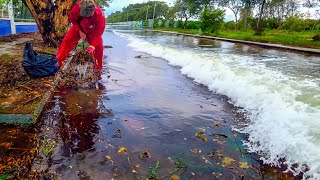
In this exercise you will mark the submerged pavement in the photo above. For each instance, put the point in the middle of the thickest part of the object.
(146, 120)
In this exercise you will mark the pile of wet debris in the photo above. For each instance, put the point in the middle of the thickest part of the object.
(81, 72)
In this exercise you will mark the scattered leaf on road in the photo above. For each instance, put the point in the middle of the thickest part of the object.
(175, 177)
(227, 161)
(244, 165)
(122, 150)
(198, 134)
(108, 157)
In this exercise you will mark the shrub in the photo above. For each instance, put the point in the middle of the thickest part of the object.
(212, 19)
(194, 25)
(231, 25)
(295, 24)
(163, 24)
(180, 24)
(156, 23)
(171, 24)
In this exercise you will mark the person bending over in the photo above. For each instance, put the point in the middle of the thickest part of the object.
(88, 22)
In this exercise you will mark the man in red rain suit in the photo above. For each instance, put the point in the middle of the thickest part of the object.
(88, 22)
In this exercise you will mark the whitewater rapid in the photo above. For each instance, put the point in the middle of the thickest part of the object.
(283, 110)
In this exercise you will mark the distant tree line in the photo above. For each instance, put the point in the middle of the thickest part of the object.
(140, 11)
(248, 14)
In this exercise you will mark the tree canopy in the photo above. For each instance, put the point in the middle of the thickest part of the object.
(140, 11)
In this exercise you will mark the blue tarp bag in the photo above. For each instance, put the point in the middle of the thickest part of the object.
(38, 66)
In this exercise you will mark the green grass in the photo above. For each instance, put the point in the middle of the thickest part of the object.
(299, 39)
(6, 59)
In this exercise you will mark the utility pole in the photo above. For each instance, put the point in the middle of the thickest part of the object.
(154, 13)
(11, 16)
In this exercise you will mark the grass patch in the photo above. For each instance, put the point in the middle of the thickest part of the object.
(6, 59)
(299, 39)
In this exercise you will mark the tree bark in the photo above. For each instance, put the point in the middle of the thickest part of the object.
(51, 18)
(245, 17)
(260, 14)
(185, 24)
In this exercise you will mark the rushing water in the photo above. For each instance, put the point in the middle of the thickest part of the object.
(279, 91)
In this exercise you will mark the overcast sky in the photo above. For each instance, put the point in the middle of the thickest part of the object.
(117, 5)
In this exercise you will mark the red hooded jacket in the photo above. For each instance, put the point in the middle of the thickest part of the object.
(93, 26)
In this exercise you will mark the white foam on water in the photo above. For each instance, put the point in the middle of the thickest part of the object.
(281, 125)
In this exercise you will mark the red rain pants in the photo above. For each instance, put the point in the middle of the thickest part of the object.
(71, 40)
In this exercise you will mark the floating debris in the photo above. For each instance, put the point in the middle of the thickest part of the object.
(215, 154)
(227, 161)
(198, 135)
(219, 123)
(118, 133)
(108, 157)
(221, 135)
(145, 155)
(244, 165)
(122, 150)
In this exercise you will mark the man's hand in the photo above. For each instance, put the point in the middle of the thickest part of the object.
(82, 35)
(91, 49)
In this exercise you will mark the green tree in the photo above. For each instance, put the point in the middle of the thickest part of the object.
(212, 19)
(234, 5)
(186, 9)
(247, 10)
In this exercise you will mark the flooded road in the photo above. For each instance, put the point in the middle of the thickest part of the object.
(146, 120)
(153, 119)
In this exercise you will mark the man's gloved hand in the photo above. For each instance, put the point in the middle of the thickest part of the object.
(91, 49)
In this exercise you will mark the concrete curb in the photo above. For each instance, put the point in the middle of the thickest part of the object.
(267, 45)
(47, 96)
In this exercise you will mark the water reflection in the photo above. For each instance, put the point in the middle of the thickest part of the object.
(79, 126)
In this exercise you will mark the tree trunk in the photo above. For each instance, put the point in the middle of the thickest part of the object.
(51, 18)
(260, 14)
(185, 24)
(235, 16)
(245, 17)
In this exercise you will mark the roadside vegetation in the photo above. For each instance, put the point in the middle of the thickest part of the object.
(281, 21)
